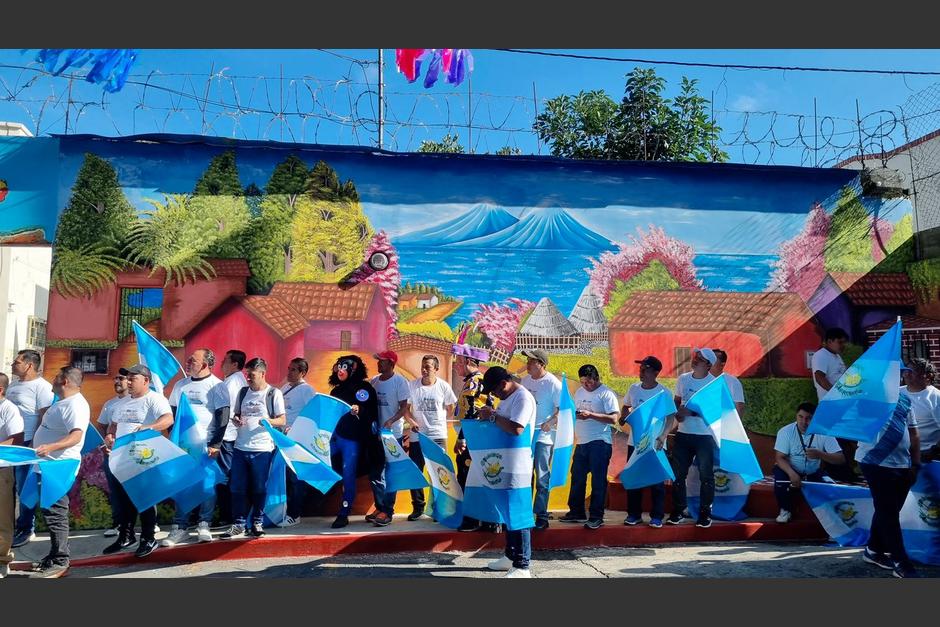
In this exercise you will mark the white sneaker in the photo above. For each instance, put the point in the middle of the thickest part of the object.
(784, 516)
(176, 536)
(110, 533)
(503, 563)
(519, 573)
(4, 571)
(156, 528)
(288, 522)
(202, 532)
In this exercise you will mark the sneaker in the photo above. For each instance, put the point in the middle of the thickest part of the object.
(503, 564)
(49, 570)
(519, 573)
(573, 518)
(110, 533)
(784, 516)
(703, 522)
(257, 531)
(202, 532)
(145, 548)
(4, 570)
(176, 536)
(371, 517)
(156, 528)
(491, 528)
(290, 521)
(22, 538)
(120, 544)
(468, 525)
(340, 522)
(675, 519)
(905, 570)
(541, 524)
(656, 523)
(415, 515)
(878, 559)
(594, 523)
(382, 520)
(234, 532)
(632, 520)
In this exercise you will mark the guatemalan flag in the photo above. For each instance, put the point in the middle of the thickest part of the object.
(647, 466)
(151, 468)
(564, 438)
(400, 472)
(315, 423)
(730, 493)
(499, 484)
(861, 401)
(163, 365)
(307, 466)
(920, 516)
(446, 495)
(186, 435)
(275, 492)
(714, 403)
(844, 511)
(58, 475)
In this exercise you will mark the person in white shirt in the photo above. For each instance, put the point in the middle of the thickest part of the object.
(546, 389)
(392, 392)
(32, 395)
(220, 439)
(11, 434)
(432, 400)
(639, 393)
(60, 435)
(597, 409)
(104, 419)
(297, 393)
(734, 384)
(925, 403)
(827, 364)
(254, 449)
(693, 441)
(798, 458)
(196, 387)
(141, 409)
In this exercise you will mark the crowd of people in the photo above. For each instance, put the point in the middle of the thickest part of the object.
(229, 412)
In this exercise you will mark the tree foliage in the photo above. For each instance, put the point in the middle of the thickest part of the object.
(849, 245)
(80, 272)
(328, 239)
(97, 212)
(655, 277)
(800, 267)
(448, 144)
(220, 178)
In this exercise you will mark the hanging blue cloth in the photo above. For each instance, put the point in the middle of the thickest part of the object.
(109, 66)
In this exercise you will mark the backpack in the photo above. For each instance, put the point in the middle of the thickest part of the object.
(268, 400)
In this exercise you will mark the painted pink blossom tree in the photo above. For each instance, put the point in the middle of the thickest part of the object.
(884, 232)
(388, 280)
(802, 264)
(500, 323)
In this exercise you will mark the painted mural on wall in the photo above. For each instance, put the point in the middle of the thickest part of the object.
(267, 247)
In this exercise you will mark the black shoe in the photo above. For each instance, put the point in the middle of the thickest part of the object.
(594, 523)
(878, 559)
(573, 518)
(490, 527)
(541, 524)
(145, 548)
(257, 531)
(122, 542)
(675, 519)
(22, 538)
(415, 515)
(905, 570)
(468, 525)
(49, 570)
(340, 522)
(704, 522)
(234, 532)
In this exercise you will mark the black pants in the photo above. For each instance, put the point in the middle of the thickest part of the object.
(785, 492)
(635, 497)
(889, 488)
(686, 447)
(57, 519)
(414, 452)
(463, 469)
(148, 517)
(223, 491)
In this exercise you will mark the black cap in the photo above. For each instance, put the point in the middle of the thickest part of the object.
(650, 362)
(493, 377)
(136, 369)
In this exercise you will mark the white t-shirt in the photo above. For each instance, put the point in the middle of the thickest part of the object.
(636, 396)
(11, 421)
(296, 398)
(735, 387)
(252, 436)
(926, 407)
(30, 397)
(788, 442)
(686, 387)
(519, 407)
(547, 392)
(107, 410)
(197, 393)
(389, 394)
(429, 407)
(224, 395)
(900, 455)
(62, 418)
(130, 414)
(829, 364)
(602, 400)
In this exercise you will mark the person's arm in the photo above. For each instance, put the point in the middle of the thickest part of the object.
(783, 462)
(163, 423)
(915, 452)
(836, 458)
(670, 425)
(820, 377)
(398, 415)
(624, 413)
(278, 421)
(14, 440)
(74, 437)
(740, 407)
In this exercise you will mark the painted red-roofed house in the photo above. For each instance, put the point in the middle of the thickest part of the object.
(855, 301)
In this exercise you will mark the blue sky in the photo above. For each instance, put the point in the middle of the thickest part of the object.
(501, 90)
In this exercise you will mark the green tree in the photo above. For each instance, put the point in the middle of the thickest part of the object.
(848, 247)
(900, 247)
(224, 212)
(507, 151)
(655, 277)
(448, 144)
(645, 126)
(97, 212)
(220, 178)
(329, 239)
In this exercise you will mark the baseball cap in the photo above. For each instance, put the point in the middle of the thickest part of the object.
(650, 362)
(708, 354)
(536, 353)
(392, 356)
(136, 369)
(493, 377)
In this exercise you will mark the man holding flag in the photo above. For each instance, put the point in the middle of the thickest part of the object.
(104, 420)
(220, 439)
(546, 389)
(11, 433)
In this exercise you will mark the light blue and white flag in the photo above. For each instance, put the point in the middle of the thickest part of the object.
(93, 440)
(163, 365)
(844, 511)
(731, 493)
(17, 456)
(714, 403)
(920, 516)
(564, 438)
(315, 423)
(58, 476)
(400, 472)
(446, 495)
(275, 495)
(499, 484)
(307, 466)
(151, 468)
(186, 435)
(861, 401)
(647, 466)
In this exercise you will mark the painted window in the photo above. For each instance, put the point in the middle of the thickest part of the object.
(345, 340)
(91, 361)
(682, 357)
(143, 304)
(36, 334)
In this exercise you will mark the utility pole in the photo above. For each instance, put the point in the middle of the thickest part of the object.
(381, 97)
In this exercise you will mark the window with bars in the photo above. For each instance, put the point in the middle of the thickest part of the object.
(682, 356)
(91, 361)
(36, 334)
(143, 304)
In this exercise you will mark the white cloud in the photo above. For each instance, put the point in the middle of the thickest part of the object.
(745, 103)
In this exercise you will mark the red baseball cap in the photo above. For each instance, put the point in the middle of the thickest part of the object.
(392, 356)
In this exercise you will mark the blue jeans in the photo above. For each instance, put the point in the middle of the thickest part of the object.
(205, 511)
(592, 457)
(543, 467)
(248, 482)
(348, 453)
(702, 448)
(384, 500)
(26, 521)
(114, 498)
(519, 547)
